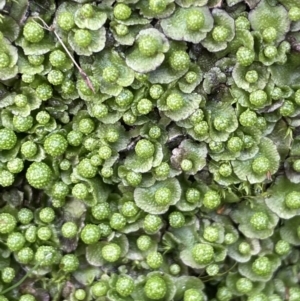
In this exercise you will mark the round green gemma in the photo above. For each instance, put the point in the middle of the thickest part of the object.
(110, 74)
(175, 102)
(148, 46)
(203, 253)
(179, 60)
(192, 195)
(296, 165)
(80, 191)
(86, 169)
(8, 139)
(15, 241)
(99, 110)
(220, 33)
(99, 289)
(105, 152)
(261, 165)
(224, 294)
(154, 260)
(42, 117)
(122, 11)
(39, 175)
(47, 215)
(163, 196)
(152, 223)
(248, 118)
(262, 266)
(176, 219)
(270, 51)
(225, 170)
(235, 144)
(277, 93)
(201, 128)
(25, 255)
(287, 109)
(57, 58)
(90, 234)
(144, 149)
(245, 56)
(75, 138)
(216, 146)
(125, 98)
(144, 242)
(251, 76)
(258, 98)
(69, 230)
(44, 92)
(211, 233)
(7, 223)
(175, 269)
(21, 100)
(29, 149)
(80, 294)
(25, 216)
(111, 252)
(269, 34)
(294, 14)
(65, 20)
(244, 285)
(22, 124)
(112, 135)
(221, 123)
(87, 11)
(44, 233)
(105, 229)
(55, 145)
(129, 209)
(36, 60)
(212, 269)
(121, 30)
(101, 211)
(6, 178)
(193, 294)
(83, 38)
(282, 247)
(117, 221)
(155, 132)
(27, 297)
(244, 248)
(124, 286)
(55, 77)
(259, 221)
(69, 263)
(162, 170)
(211, 200)
(4, 60)
(8, 274)
(155, 288)
(186, 165)
(144, 106)
(191, 77)
(292, 200)
(33, 32)
(156, 91)
(134, 179)
(194, 19)
(157, 6)
(86, 126)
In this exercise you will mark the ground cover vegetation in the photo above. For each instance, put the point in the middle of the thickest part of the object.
(150, 150)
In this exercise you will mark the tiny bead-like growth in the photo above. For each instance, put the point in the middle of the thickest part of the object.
(259, 221)
(148, 46)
